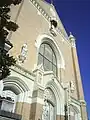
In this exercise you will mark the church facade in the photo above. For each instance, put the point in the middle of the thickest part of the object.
(45, 84)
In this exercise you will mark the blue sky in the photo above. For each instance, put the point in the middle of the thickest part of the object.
(75, 15)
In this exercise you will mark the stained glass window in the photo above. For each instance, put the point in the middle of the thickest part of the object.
(47, 57)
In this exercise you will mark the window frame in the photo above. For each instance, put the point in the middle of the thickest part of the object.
(52, 61)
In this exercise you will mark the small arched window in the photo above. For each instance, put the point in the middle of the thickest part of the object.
(47, 57)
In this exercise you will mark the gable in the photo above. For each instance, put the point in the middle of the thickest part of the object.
(51, 11)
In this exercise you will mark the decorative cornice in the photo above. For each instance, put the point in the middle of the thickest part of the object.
(73, 100)
(23, 72)
(40, 9)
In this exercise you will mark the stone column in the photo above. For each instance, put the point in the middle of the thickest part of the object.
(83, 111)
(37, 105)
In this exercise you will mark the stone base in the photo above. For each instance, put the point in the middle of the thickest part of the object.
(36, 111)
(60, 117)
(24, 110)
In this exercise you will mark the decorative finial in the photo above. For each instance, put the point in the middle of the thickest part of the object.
(70, 33)
(71, 36)
(72, 39)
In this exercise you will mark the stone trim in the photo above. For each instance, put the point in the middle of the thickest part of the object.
(37, 100)
(23, 72)
(38, 93)
(40, 9)
(16, 84)
(73, 100)
(30, 100)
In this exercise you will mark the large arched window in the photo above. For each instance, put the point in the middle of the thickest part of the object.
(47, 57)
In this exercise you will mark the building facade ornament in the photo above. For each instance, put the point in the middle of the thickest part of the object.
(72, 86)
(39, 72)
(45, 111)
(72, 40)
(23, 54)
(40, 9)
(53, 25)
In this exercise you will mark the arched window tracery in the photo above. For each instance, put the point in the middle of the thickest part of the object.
(47, 57)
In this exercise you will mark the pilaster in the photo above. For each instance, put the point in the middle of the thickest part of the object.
(77, 76)
(83, 110)
(37, 104)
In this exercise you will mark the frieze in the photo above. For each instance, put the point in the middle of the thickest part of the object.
(23, 72)
(41, 10)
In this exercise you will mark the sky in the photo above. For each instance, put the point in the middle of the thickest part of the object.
(75, 16)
